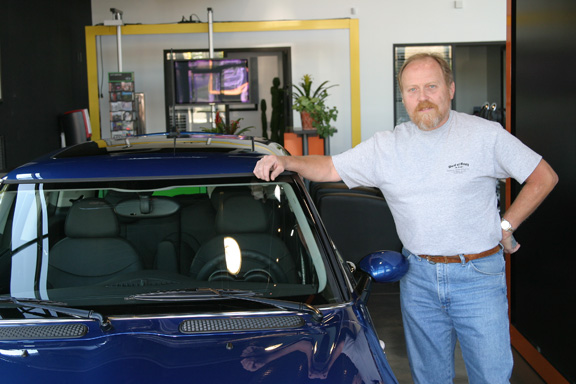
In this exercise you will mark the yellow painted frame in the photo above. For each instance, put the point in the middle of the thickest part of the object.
(253, 26)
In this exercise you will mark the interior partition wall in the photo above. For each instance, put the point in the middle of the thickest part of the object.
(319, 32)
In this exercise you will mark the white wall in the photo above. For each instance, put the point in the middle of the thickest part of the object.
(382, 24)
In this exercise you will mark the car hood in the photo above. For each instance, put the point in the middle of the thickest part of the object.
(162, 350)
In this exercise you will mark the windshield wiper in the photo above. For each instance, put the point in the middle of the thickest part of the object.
(200, 294)
(55, 306)
(196, 294)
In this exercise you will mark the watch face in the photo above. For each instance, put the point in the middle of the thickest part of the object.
(506, 225)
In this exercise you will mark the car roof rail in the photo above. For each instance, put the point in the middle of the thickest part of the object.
(168, 140)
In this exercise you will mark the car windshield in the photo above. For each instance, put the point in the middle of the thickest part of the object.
(127, 246)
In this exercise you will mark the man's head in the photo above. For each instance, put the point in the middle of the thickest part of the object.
(427, 88)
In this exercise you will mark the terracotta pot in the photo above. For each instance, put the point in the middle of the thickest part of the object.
(306, 120)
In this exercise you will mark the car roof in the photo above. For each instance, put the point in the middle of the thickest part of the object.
(149, 156)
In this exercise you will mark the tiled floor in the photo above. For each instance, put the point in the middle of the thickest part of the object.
(384, 306)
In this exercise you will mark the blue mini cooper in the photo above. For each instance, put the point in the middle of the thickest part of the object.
(164, 260)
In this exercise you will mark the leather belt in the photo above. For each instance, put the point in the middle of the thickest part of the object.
(456, 258)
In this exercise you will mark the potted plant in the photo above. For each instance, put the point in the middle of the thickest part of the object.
(227, 129)
(312, 106)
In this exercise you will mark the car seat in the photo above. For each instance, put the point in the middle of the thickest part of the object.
(92, 250)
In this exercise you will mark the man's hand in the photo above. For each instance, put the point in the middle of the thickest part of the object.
(538, 185)
(313, 168)
(269, 167)
(509, 242)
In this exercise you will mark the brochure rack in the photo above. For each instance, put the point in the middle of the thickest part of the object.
(123, 106)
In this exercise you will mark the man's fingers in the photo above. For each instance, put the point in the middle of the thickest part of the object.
(511, 251)
(275, 171)
(510, 244)
(267, 168)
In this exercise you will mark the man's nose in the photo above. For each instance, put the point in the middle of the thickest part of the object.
(423, 95)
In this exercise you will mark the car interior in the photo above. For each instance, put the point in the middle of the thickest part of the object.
(129, 237)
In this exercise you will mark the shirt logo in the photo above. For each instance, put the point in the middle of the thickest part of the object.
(458, 168)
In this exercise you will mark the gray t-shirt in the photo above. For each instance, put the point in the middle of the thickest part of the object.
(441, 184)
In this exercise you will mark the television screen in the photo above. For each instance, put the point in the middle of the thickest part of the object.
(205, 81)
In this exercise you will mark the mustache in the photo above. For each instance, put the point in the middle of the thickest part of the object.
(426, 104)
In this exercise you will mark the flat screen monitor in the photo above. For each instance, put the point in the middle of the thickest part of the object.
(205, 81)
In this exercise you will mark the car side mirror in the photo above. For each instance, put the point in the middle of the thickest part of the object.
(385, 266)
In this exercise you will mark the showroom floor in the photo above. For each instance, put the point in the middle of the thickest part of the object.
(384, 306)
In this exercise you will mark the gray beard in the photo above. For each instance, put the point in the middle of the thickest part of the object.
(428, 122)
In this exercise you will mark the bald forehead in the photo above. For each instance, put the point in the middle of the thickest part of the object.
(427, 62)
(423, 66)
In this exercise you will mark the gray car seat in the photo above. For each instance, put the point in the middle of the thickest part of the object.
(92, 250)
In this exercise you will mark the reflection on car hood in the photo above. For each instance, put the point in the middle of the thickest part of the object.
(157, 350)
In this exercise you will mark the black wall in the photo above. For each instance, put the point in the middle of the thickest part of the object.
(43, 73)
(544, 117)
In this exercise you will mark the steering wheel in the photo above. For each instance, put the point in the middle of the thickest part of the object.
(262, 269)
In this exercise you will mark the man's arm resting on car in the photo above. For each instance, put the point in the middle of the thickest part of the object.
(314, 168)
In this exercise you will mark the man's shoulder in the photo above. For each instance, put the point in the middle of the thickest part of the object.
(468, 119)
(404, 129)
(382, 136)
(476, 124)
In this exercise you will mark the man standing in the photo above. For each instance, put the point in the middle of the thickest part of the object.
(439, 173)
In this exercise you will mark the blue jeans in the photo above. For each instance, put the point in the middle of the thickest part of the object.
(443, 303)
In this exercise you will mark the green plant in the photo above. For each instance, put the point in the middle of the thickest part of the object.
(227, 129)
(314, 102)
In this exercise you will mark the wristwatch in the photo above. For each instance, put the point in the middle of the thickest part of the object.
(506, 226)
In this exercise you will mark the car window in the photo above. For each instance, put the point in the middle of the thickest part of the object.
(99, 245)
